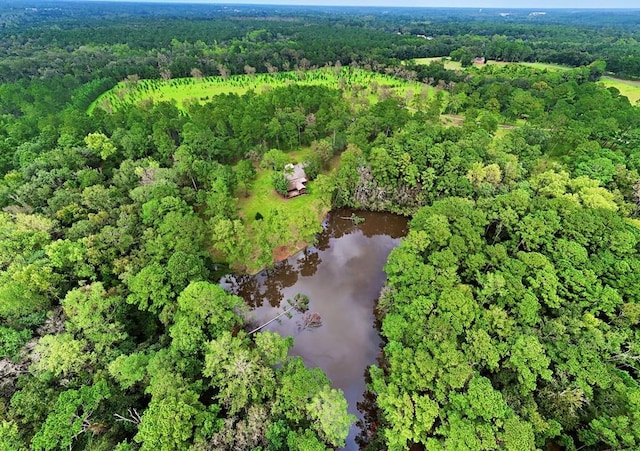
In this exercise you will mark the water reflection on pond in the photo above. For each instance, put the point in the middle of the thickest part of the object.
(342, 275)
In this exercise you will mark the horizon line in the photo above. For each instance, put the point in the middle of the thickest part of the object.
(343, 5)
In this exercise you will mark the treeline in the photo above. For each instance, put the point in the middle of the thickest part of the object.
(585, 128)
(117, 41)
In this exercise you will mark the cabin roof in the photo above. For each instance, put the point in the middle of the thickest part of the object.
(295, 172)
(297, 178)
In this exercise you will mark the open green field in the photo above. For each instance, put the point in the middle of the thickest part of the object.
(628, 88)
(448, 64)
(263, 198)
(455, 65)
(547, 66)
(186, 90)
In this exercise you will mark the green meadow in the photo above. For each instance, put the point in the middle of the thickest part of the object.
(547, 66)
(628, 88)
(263, 198)
(455, 65)
(182, 91)
(448, 64)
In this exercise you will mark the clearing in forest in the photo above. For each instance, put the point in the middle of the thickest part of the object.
(263, 198)
(455, 65)
(354, 82)
(628, 88)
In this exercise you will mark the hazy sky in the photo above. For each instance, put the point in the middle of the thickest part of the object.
(532, 4)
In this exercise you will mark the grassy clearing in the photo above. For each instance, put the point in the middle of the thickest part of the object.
(448, 64)
(182, 91)
(628, 88)
(263, 198)
(455, 65)
(553, 67)
(539, 66)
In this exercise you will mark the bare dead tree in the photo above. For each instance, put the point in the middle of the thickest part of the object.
(196, 73)
(300, 303)
(249, 70)
(224, 72)
(310, 320)
(133, 418)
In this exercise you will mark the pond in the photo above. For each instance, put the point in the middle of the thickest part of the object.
(342, 276)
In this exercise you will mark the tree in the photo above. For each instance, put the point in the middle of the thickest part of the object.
(10, 437)
(169, 421)
(204, 312)
(95, 315)
(275, 160)
(324, 151)
(63, 355)
(246, 173)
(328, 412)
(280, 183)
(237, 373)
(73, 416)
(491, 310)
(100, 144)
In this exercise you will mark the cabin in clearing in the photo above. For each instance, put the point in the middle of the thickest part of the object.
(297, 178)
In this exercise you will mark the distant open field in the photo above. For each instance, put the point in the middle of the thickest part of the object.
(547, 66)
(455, 65)
(448, 64)
(186, 90)
(628, 88)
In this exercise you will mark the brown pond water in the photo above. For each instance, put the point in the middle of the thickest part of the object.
(343, 276)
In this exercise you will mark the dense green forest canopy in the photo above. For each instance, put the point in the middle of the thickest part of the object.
(115, 40)
(511, 312)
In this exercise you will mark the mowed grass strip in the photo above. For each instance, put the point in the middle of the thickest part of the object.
(628, 88)
(455, 65)
(182, 91)
(448, 64)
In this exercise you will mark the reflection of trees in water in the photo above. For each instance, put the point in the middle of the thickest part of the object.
(269, 284)
(370, 415)
(276, 279)
(308, 264)
(368, 439)
(340, 223)
(245, 286)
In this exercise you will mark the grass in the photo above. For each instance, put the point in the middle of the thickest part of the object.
(264, 199)
(448, 64)
(628, 88)
(548, 66)
(455, 65)
(182, 91)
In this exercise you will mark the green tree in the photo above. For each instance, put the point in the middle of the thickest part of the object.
(280, 183)
(328, 412)
(204, 312)
(73, 416)
(101, 145)
(246, 173)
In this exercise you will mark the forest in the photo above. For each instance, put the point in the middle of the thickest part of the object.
(142, 156)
